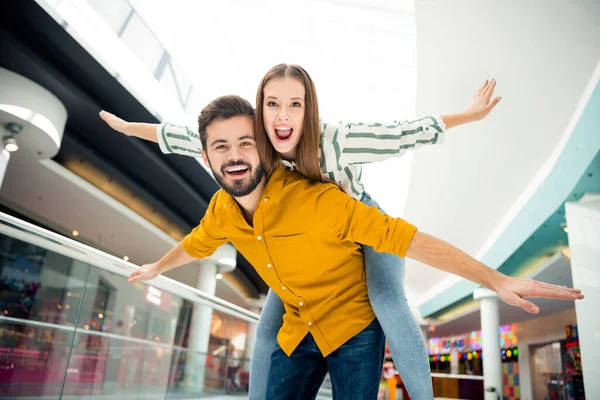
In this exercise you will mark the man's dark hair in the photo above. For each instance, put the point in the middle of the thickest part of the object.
(222, 108)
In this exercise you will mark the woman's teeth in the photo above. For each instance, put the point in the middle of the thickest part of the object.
(283, 133)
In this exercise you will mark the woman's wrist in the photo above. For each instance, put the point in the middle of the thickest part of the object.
(453, 120)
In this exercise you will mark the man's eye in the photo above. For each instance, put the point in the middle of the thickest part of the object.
(246, 144)
(221, 147)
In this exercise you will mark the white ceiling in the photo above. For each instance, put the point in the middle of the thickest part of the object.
(542, 55)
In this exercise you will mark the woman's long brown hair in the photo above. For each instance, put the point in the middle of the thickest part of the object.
(307, 150)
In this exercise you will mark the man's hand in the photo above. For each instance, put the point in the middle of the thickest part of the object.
(483, 103)
(114, 122)
(513, 291)
(145, 273)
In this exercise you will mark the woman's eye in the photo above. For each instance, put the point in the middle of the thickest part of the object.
(296, 104)
(271, 104)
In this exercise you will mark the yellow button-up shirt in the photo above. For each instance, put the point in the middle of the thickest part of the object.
(305, 243)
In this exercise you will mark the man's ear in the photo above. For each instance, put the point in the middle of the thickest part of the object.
(205, 158)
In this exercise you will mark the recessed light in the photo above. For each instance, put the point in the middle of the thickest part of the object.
(126, 258)
(566, 229)
(75, 233)
(219, 276)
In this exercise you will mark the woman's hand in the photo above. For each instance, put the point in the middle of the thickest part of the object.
(483, 103)
(114, 122)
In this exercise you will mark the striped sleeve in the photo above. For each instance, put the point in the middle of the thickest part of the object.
(365, 143)
(176, 139)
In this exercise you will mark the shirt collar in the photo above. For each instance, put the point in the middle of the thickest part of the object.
(289, 165)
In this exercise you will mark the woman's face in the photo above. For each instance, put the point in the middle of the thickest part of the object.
(283, 114)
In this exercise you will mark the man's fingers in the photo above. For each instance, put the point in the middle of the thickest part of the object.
(562, 288)
(528, 306)
(518, 301)
(541, 289)
(134, 276)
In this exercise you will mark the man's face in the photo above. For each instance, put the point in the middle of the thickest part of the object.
(232, 156)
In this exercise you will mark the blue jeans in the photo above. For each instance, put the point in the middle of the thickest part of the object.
(385, 282)
(354, 368)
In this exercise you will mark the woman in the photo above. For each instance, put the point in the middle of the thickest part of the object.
(288, 129)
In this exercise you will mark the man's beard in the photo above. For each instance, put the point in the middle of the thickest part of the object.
(239, 187)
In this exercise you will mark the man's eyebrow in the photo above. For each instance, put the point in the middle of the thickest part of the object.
(246, 137)
(218, 141)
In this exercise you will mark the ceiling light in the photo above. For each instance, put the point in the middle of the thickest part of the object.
(126, 258)
(75, 233)
(566, 229)
(10, 143)
(219, 276)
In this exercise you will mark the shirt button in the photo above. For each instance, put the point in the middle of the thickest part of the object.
(266, 199)
(269, 265)
(309, 323)
(301, 304)
(259, 237)
(283, 287)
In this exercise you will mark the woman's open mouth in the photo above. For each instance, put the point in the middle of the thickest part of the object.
(283, 134)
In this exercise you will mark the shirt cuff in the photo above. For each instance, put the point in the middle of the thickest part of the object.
(408, 234)
(160, 138)
(437, 129)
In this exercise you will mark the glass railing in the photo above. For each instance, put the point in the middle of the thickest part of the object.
(71, 326)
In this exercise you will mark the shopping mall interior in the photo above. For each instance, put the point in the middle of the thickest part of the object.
(82, 206)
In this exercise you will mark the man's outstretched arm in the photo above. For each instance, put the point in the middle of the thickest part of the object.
(349, 219)
(443, 256)
(176, 257)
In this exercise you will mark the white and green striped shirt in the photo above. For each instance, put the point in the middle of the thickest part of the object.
(344, 147)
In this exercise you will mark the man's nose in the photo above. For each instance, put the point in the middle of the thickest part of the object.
(234, 154)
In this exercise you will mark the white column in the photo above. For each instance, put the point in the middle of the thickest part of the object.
(200, 327)
(4, 158)
(583, 222)
(490, 338)
(525, 371)
(454, 363)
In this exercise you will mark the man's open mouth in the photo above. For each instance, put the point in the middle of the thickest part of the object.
(237, 171)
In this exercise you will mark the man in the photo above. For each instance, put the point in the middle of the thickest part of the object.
(304, 240)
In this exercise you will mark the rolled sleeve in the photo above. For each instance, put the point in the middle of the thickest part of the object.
(206, 238)
(349, 219)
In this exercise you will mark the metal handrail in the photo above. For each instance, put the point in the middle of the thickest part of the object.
(457, 376)
(41, 237)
